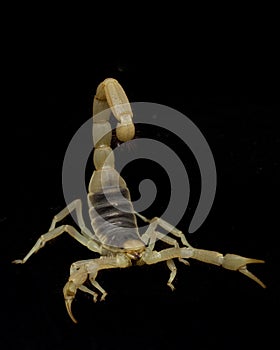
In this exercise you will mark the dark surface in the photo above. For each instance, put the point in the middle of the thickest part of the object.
(236, 106)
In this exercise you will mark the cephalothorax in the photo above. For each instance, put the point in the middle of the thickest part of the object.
(115, 235)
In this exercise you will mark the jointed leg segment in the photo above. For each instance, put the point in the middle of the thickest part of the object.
(76, 206)
(151, 236)
(86, 238)
(51, 235)
(172, 267)
(166, 226)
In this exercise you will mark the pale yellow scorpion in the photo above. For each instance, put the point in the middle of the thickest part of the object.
(116, 235)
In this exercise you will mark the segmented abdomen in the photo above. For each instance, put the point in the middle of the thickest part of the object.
(112, 216)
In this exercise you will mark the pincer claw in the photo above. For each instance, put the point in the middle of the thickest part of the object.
(68, 303)
(239, 263)
(69, 292)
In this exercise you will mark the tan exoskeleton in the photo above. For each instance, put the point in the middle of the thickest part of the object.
(116, 237)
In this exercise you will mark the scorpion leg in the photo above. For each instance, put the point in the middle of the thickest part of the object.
(171, 241)
(75, 267)
(94, 266)
(172, 267)
(55, 233)
(152, 257)
(151, 235)
(92, 278)
(168, 227)
(77, 206)
(86, 237)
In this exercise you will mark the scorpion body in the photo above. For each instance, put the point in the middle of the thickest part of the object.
(110, 207)
(115, 235)
(108, 221)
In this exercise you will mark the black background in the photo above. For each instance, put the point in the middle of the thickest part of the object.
(228, 86)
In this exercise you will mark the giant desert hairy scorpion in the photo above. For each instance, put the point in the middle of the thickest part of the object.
(115, 233)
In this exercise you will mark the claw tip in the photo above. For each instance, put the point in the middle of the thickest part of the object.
(69, 310)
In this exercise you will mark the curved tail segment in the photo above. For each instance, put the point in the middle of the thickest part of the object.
(110, 94)
(110, 209)
(110, 97)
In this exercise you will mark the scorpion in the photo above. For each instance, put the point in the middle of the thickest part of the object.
(115, 235)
